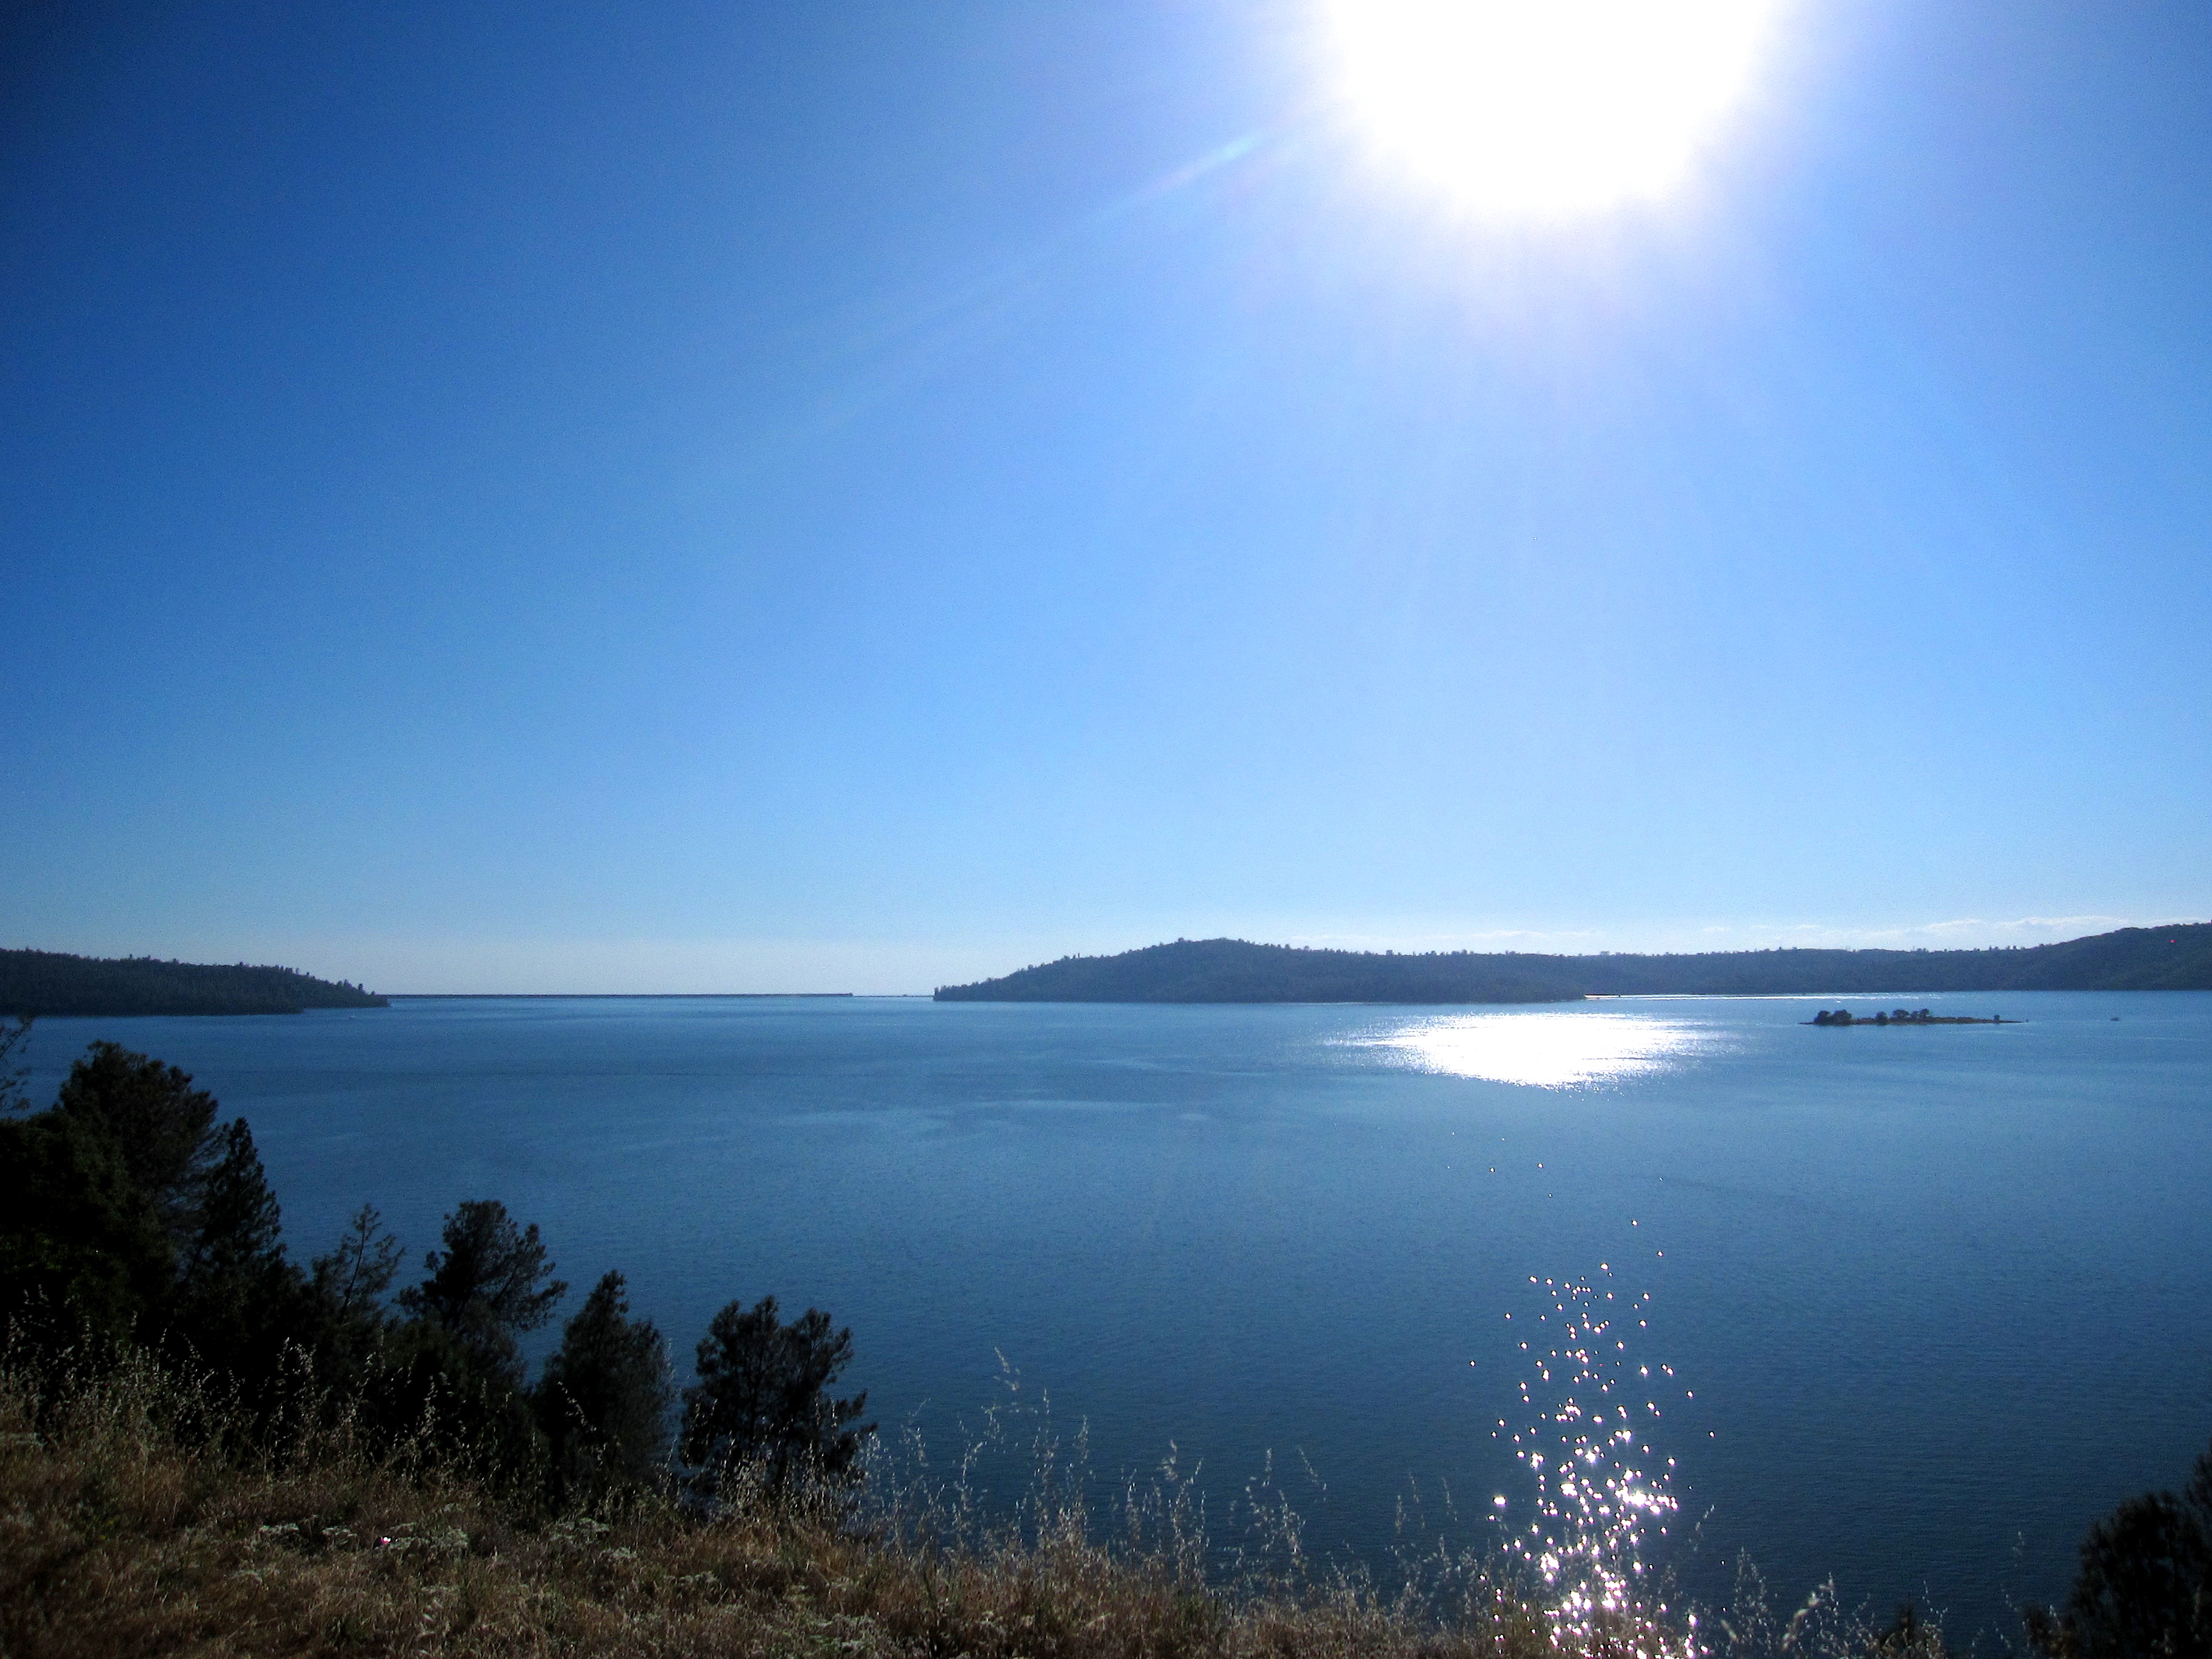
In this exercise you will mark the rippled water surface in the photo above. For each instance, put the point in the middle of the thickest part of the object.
(1908, 1305)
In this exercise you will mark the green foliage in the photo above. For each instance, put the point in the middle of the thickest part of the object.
(138, 1215)
(2177, 957)
(2145, 1583)
(13, 1070)
(238, 1302)
(347, 1287)
(82, 1249)
(129, 1215)
(53, 982)
(160, 1127)
(424, 1386)
(489, 1285)
(603, 1400)
(1232, 970)
(241, 1227)
(762, 1411)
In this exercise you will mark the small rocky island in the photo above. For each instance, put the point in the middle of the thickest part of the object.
(1903, 1017)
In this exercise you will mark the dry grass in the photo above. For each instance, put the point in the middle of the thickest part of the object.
(132, 1523)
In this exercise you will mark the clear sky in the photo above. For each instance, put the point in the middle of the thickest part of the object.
(842, 497)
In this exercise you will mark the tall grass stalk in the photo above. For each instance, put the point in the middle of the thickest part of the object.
(145, 1509)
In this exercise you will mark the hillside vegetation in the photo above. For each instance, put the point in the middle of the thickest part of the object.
(2174, 958)
(52, 982)
(1230, 970)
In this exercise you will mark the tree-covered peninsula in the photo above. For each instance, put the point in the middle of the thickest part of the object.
(53, 983)
(2173, 958)
(1230, 970)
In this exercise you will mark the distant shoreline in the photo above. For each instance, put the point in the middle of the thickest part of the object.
(2175, 958)
(617, 996)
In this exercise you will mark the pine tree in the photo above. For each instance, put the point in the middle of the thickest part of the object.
(241, 1227)
(761, 1409)
(345, 1293)
(163, 1129)
(239, 1301)
(605, 1398)
(81, 1247)
(352, 1278)
(13, 1070)
(489, 1285)
(2145, 1583)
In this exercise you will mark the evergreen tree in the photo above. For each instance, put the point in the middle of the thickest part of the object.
(163, 1129)
(761, 1407)
(422, 1383)
(240, 1233)
(351, 1281)
(345, 1291)
(605, 1398)
(13, 1070)
(489, 1285)
(238, 1300)
(82, 1249)
(2145, 1583)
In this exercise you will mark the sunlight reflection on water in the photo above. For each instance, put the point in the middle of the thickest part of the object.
(1543, 1050)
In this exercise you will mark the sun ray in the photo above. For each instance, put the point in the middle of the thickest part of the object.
(1537, 110)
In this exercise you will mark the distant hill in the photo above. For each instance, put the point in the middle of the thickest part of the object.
(49, 982)
(1230, 970)
(2175, 958)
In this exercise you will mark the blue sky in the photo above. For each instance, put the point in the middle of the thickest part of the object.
(842, 497)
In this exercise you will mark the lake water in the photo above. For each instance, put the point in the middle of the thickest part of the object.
(1933, 1298)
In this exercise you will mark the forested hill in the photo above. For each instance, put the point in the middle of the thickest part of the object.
(2175, 958)
(50, 982)
(1230, 970)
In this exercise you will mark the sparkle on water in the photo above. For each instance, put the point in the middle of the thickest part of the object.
(1543, 1050)
(1602, 1494)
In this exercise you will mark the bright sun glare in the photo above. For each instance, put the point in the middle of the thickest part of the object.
(1545, 108)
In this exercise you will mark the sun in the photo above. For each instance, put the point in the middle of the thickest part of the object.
(1545, 108)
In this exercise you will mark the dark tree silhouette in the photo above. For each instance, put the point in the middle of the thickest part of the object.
(354, 1277)
(163, 1129)
(240, 1230)
(345, 1291)
(81, 1247)
(605, 1398)
(13, 1070)
(1909, 1636)
(238, 1302)
(491, 1283)
(136, 1214)
(2145, 1584)
(50, 982)
(761, 1409)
